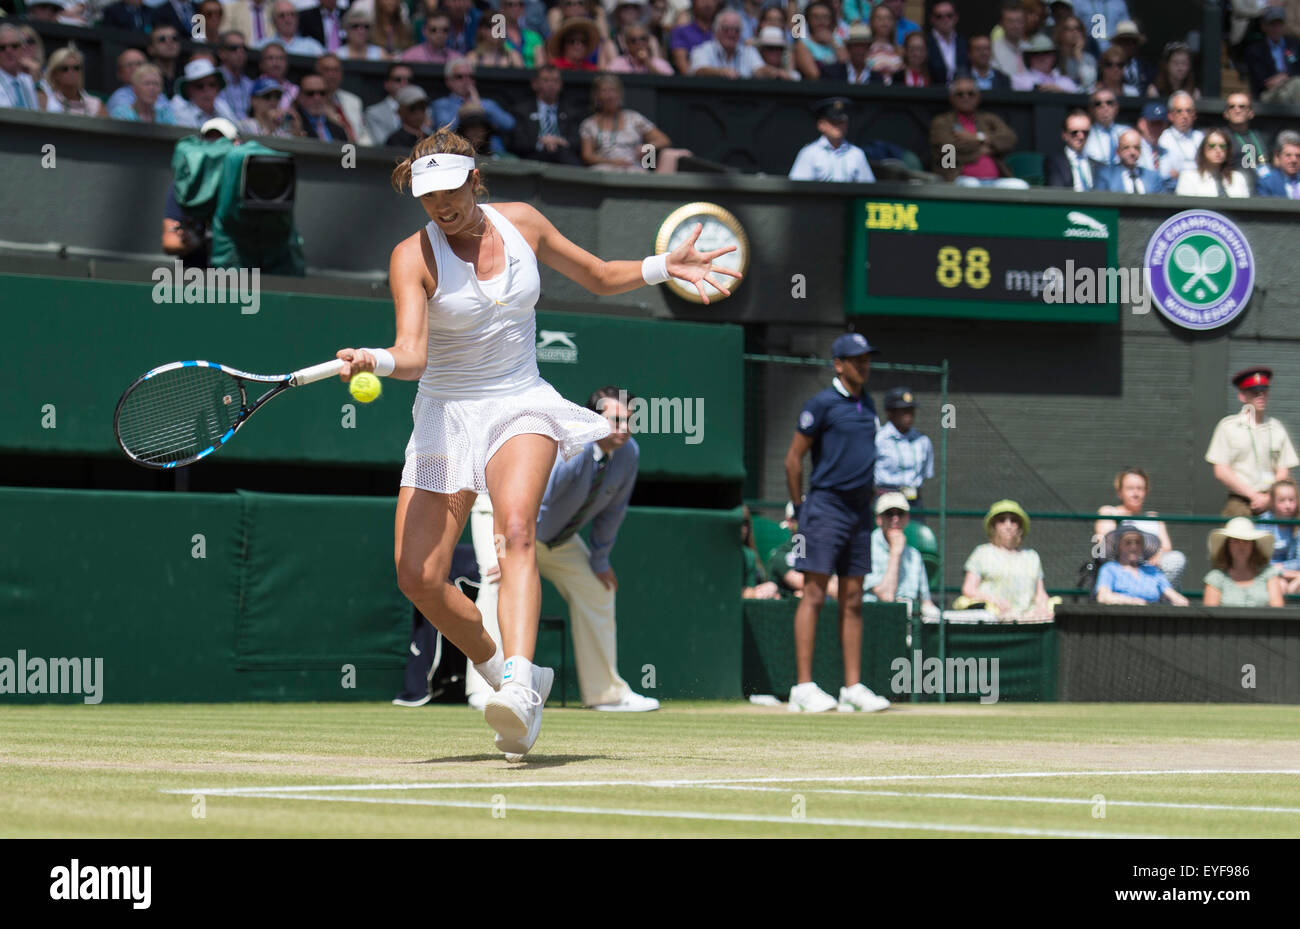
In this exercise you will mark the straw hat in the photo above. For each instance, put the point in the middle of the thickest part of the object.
(1006, 506)
(555, 45)
(1239, 527)
(1150, 543)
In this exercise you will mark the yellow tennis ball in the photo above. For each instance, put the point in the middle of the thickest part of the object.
(365, 387)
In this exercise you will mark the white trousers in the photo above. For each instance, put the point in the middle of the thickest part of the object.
(591, 609)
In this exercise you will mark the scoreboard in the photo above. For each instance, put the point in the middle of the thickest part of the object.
(976, 260)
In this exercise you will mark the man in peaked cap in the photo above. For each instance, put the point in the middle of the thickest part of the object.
(904, 455)
(1250, 449)
(832, 157)
(835, 521)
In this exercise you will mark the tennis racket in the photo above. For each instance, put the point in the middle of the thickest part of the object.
(176, 414)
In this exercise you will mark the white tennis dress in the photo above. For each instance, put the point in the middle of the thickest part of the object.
(481, 385)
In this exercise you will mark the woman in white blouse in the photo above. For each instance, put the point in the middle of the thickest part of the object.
(66, 82)
(1214, 175)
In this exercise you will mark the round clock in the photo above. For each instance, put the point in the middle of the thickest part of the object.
(720, 230)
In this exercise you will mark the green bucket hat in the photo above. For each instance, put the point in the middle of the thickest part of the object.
(1006, 506)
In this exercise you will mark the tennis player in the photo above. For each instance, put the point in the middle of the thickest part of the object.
(465, 288)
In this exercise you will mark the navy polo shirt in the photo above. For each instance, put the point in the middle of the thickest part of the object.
(843, 430)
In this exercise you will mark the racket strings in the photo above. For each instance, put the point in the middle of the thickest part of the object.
(177, 414)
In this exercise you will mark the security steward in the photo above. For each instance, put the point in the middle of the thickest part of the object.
(832, 157)
(1250, 449)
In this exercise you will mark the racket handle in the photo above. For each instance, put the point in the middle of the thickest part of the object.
(317, 372)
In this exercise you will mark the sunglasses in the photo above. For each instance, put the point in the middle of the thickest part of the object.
(205, 85)
(311, 93)
(234, 48)
(285, 15)
(68, 68)
(166, 37)
(435, 29)
(943, 15)
(1112, 64)
(1238, 106)
(10, 46)
(965, 93)
(893, 514)
(359, 26)
(1075, 133)
(272, 95)
(1103, 103)
(1214, 145)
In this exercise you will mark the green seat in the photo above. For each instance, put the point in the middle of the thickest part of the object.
(768, 536)
(921, 537)
(1028, 166)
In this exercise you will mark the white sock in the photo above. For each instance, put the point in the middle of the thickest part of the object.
(492, 669)
(519, 670)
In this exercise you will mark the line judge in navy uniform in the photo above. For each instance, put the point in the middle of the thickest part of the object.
(835, 520)
(832, 157)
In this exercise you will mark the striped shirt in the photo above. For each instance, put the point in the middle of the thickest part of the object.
(902, 460)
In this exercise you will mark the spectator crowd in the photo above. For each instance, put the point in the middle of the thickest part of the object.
(230, 59)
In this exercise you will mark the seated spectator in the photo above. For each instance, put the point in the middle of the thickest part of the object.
(324, 23)
(149, 106)
(1284, 179)
(544, 129)
(265, 117)
(832, 157)
(459, 76)
(1214, 175)
(464, 24)
(1274, 61)
(1175, 73)
(1127, 577)
(1284, 504)
(490, 51)
(615, 139)
(197, 97)
(413, 111)
(285, 17)
(1007, 578)
(1128, 176)
(948, 52)
(725, 55)
(232, 52)
(982, 72)
(903, 27)
(1040, 69)
(381, 118)
(1241, 574)
(1106, 13)
(274, 63)
(1127, 39)
(1152, 123)
(683, 39)
(755, 583)
(904, 454)
(916, 62)
(884, 57)
(250, 18)
(625, 14)
(819, 46)
(640, 57)
(1070, 167)
(1181, 142)
(342, 106)
(473, 125)
(433, 50)
(127, 62)
(978, 140)
(575, 46)
(750, 12)
(313, 111)
(581, 9)
(897, 571)
(165, 52)
(1131, 487)
(528, 43)
(773, 48)
(357, 45)
(1072, 57)
(854, 69)
(1103, 138)
(175, 14)
(1250, 148)
(129, 16)
(1110, 74)
(1006, 47)
(64, 75)
(211, 11)
(391, 28)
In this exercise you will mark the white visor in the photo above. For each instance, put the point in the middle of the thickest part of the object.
(439, 172)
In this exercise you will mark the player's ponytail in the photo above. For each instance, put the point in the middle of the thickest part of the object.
(444, 141)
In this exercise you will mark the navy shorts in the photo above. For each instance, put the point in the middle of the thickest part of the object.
(837, 526)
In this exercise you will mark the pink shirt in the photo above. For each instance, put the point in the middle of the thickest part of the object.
(983, 167)
(624, 64)
(424, 53)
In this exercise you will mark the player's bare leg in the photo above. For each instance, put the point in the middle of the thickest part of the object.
(851, 628)
(805, 624)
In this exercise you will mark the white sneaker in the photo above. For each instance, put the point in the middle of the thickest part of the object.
(809, 698)
(515, 712)
(477, 700)
(631, 703)
(859, 698)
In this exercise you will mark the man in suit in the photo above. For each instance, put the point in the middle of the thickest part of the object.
(324, 23)
(1284, 180)
(250, 18)
(313, 109)
(174, 13)
(382, 119)
(1127, 177)
(128, 15)
(1274, 62)
(1103, 139)
(968, 146)
(544, 131)
(1071, 167)
(948, 51)
(982, 72)
(342, 106)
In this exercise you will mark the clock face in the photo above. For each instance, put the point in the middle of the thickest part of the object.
(721, 230)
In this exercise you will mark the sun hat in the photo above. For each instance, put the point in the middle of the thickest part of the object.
(197, 70)
(1127, 29)
(555, 44)
(1039, 44)
(1150, 543)
(1239, 527)
(892, 501)
(771, 37)
(1006, 506)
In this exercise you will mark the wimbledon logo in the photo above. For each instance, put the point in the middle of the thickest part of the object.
(1202, 271)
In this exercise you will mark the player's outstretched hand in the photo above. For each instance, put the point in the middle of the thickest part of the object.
(358, 360)
(687, 264)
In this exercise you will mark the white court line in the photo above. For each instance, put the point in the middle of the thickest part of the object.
(723, 817)
(705, 782)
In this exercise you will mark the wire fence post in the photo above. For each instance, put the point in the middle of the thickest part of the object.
(943, 522)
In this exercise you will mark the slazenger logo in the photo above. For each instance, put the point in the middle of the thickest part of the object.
(557, 346)
(88, 882)
(1093, 229)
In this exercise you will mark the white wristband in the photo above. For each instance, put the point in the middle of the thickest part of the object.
(384, 363)
(654, 269)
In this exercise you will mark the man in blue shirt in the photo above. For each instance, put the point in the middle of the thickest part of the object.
(838, 426)
(1285, 181)
(904, 455)
(445, 111)
(592, 488)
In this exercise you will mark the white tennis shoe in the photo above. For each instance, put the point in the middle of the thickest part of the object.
(809, 698)
(859, 698)
(515, 712)
(631, 703)
(477, 700)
